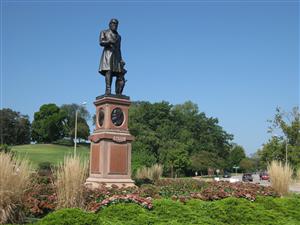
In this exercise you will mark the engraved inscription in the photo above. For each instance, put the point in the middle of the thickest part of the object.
(119, 139)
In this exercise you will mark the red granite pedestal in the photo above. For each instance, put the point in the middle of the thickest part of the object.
(110, 154)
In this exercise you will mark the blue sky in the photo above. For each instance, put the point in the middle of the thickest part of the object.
(237, 60)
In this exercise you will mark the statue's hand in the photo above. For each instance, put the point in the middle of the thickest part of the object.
(112, 45)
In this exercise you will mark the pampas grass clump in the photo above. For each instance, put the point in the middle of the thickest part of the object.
(280, 176)
(14, 180)
(153, 173)
(71, 176)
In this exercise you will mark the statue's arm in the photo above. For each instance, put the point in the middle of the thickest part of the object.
(102, 40)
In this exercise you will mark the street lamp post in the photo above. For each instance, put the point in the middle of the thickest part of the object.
(75, 138)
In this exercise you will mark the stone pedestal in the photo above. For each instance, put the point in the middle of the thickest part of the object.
(110, 154)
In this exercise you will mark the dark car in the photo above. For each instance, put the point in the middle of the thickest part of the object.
(226, 175)
(247, 177)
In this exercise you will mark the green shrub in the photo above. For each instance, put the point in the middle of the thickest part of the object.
(170, 187)
(127, 213)
(235, 211)
(45, 165)
(69, 217)
(140, 181)
(149, 190)
(65, 142)
(5, 148)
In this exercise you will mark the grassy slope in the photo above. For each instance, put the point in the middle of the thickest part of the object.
(48, 152)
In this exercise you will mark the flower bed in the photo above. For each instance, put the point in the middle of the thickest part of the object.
(41, 198)
(129, 198)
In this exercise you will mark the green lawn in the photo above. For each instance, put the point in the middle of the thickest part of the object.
(38, 153)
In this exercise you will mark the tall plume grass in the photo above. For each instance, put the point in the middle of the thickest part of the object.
(14, 180)
(71, 176)
(280, 176)
(153, 173)
(298, 175)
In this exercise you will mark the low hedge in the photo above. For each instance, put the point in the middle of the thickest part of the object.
(265, 210)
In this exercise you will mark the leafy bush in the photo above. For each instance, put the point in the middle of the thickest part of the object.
(5, 148)
(139, 182)
(116, 199)
(149, 190)
(265, 210)
(280, 176)
(69, 217)
(223, 189)
(45, 168)
(45, 165)
(14, 179)
(40, 198)
(64, 141)
(170, 187)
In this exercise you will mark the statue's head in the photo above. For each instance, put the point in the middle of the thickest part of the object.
(113, 24)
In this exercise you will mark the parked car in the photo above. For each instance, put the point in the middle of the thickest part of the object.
(264, 176)
(247, 177)
(226, 174)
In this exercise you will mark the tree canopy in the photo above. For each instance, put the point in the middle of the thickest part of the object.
(48, 124)
(14, 127)
(83, 130)
(171, 134)
(285, 130)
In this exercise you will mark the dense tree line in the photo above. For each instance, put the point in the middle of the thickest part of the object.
(14, 127)
(50, 124)
(180, 137)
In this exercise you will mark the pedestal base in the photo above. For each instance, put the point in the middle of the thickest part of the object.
(95, 182)
(110, 154)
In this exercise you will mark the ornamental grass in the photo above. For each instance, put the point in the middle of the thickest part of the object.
(71, 176)
(14, 180)
(153, 173)
(280, 176)
(298, 175)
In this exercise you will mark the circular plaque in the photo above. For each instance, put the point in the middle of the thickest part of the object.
(117, 116)
(101, 117)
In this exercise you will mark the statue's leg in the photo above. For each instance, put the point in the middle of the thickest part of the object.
(108, 80)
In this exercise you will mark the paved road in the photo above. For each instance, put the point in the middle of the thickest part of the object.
(294, 187)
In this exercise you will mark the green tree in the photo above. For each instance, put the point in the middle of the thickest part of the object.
(171, 134)
(247, 165)
(48, 124)
(83, 130)
(236, 155)
(202, 161)
(174, 157)
(288, 125)
(15, 128)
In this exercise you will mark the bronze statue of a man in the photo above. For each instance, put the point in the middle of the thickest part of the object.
(111, 63)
